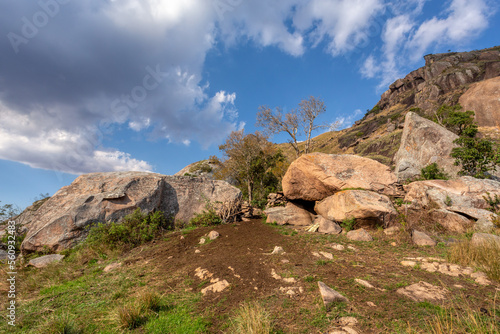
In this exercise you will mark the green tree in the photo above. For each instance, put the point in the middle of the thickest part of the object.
(250, 160)
(476, 156)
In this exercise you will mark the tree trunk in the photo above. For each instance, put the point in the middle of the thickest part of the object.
(250, 189)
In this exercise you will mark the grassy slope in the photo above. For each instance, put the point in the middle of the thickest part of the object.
(79, 295)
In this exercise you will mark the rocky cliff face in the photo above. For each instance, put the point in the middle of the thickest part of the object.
(443, 79)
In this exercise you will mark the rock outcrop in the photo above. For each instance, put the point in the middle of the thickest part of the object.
(444, 199)
(442, 78)
(101, 197)
(484, 99)
(424, 142)
(367, 207)
(315, 176)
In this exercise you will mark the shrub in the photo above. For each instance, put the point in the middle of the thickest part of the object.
(135, 229)
(206, 218)
(348, 224)
(433, 172)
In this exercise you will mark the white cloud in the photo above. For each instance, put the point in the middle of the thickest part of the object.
(406, 38)
(342, 22)
(466, 19)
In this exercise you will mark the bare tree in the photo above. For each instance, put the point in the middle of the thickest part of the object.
(302, 120)
(309, 110)
(275, 122)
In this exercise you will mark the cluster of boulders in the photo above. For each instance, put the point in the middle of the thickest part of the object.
(325, 189)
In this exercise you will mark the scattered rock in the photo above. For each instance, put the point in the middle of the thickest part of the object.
(364, 283)
(292, 291)
(197, 251)
(218, 286)
(335, 246)
(278, 250)
(367, 207)
(348, 321)
(329, 295)
(44, 261)
(111, 267)
(371, 304)
(292, 214)
(329, 256)
(213, 235)
(479, 239)
(316, 176)
(424, 142)
(359, 235)
(202, 273)
(422, 239)
(423, 291)
(327, 226)
(202, 241)
(392, 230)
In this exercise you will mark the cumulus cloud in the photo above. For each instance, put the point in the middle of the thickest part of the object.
(71, 68)
(406, 38)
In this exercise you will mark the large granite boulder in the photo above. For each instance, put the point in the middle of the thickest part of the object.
(102, 197)
(315, 176)
(483, 98)
(291, 214)
(424, 142)
(366, 207)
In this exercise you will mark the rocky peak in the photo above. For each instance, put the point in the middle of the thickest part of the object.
(443, 79)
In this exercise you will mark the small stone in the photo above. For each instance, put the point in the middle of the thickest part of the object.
(212, 235)
(197, 251)
(329, 256)
(409, 263)
(422, 239)
(349, 330)
(338, 247)
(182, 237)
(111, 267)
(348, 321)
(364, 283)
(423, 291)
(218, 286)
(359, 235)
(278, 250)
(316, 254)
(44, 261)
(285, 261)
(393, 244)
(329, 295)
(202, 241)
(371, 304)
(352, 248)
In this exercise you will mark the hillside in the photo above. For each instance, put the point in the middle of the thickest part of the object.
(86, 291)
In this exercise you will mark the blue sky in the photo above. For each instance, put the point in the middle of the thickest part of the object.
(151, 85)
